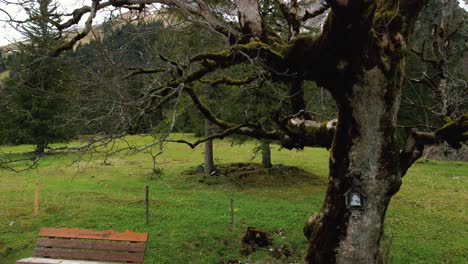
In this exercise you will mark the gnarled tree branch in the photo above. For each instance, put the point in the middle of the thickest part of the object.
(454, 133)
(88, 26)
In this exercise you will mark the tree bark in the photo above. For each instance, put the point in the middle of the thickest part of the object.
(249, 18)
(296, 92)
(266, 154)
(364, 159)
(209, 163)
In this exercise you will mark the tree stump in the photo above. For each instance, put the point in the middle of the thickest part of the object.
(256, 237)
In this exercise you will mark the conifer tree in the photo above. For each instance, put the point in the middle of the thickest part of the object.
(37, 93)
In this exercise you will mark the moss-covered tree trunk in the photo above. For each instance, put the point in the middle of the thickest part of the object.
(364, 159)
(364, 156)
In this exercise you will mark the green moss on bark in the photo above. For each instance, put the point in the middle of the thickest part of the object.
(455, 131)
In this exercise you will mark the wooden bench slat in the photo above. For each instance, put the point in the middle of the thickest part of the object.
(88, 244)
(67, 232)
(88, 254)
(58, 261)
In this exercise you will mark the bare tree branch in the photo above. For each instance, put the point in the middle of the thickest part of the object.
(454, 133)
(88, 26)
(315, 13)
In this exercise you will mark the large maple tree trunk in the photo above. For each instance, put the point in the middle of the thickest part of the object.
(364, 158)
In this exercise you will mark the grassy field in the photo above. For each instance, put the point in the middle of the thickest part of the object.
(189, 219)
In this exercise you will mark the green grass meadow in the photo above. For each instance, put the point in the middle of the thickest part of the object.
(190, 220)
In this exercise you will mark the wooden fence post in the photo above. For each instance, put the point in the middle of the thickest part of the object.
(147, 206)
(232, 213)
(36, 196)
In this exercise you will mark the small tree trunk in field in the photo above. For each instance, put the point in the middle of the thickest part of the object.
(266, 154)
(209, 163)
(40, 148)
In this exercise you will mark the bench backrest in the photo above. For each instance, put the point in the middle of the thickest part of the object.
(75, 243)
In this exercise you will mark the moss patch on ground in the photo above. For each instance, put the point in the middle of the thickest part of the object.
(253, 175)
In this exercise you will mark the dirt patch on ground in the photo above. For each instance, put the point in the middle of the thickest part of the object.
(251, 174)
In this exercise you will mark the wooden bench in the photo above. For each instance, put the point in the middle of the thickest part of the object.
(74, 245)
